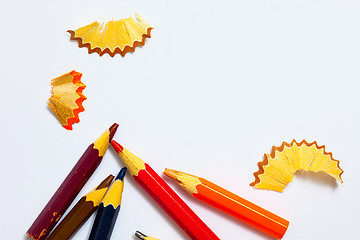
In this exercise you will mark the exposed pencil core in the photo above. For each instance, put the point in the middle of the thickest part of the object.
(171, 173)
(117, 147)
(112, 131)
(140, 235)
(121, 174)
(106, 182)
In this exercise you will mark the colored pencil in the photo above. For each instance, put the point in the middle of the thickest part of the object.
(108, 210)
(164, 196)
(142, 236)
(71, 186)
(230, 203)
(81, 212)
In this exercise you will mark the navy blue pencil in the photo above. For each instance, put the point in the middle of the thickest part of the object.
(108, 210)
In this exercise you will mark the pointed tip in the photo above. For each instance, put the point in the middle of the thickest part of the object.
(121, 174)
(117, 147)
(68, 127)
(140, 235)
(106, 182)
(173, 174)
(112, 131)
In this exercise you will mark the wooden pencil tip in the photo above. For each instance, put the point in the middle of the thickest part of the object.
(171, 173)
(140, 235)
(112, 131)
(117, 147)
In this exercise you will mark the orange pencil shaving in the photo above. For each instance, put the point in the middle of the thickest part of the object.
(67, 99)
(230, 203)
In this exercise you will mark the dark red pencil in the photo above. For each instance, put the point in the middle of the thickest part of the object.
(164, 196)
(71, 186)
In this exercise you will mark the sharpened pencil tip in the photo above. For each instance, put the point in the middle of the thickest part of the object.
(117, 147)
(106, 183)
(140, 235)
(171, 173)
(112, 131)
(121, 174)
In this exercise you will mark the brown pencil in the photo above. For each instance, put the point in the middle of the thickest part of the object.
(81, 212)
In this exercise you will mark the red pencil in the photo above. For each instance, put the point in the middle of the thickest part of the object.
(164, 196)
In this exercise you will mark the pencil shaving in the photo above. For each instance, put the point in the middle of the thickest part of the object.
(67, 98)
(121, 36)
(278, 168)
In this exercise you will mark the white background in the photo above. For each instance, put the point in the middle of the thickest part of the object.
(217, 85)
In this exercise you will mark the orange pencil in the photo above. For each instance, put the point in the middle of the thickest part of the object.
(230, 203)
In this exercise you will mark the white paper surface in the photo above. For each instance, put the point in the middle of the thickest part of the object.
(217, 85)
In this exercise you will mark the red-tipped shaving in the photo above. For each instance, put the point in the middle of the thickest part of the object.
(67, 98)
(77, 80)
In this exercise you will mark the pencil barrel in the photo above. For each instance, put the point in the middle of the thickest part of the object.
(80, 213)
(241, 209)
(104, 222)
(173, 205)
(108, 209)
(83, 211)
